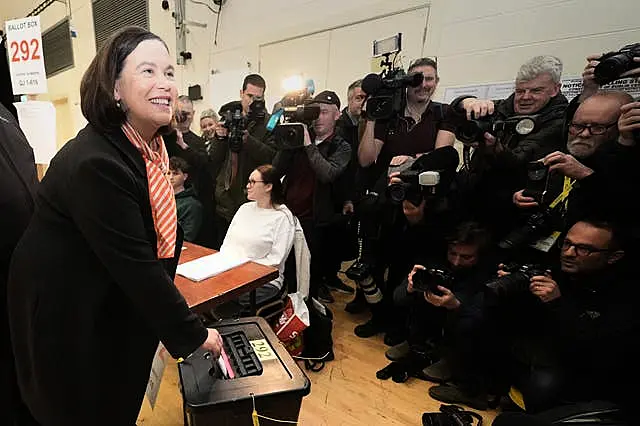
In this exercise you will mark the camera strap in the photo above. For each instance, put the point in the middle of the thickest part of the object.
(566, 189)
(544, 244)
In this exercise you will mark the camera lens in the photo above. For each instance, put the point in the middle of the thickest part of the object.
(397, 192)
(611, 68)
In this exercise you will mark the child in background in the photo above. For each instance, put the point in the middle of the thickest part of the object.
(188, 206)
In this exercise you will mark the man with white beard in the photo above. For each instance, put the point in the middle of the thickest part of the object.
(600, 162)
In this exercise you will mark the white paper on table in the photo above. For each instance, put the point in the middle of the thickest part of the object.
(209, 266)
(38, 123)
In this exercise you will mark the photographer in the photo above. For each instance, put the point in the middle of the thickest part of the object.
(591, 321)
(232, 169)
(599, 164)
(310, 175)
(452, 301)
(185, 144)
(496, 169)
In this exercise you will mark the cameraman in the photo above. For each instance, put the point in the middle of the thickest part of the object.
(591, 321)
(458, 310)
(599, 162)
(232, 169)
(424, 126)
(496, 168)
(310, 176)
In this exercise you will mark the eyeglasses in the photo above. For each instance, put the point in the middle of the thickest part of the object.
(581, 249)
(253, 182)
(594, 129)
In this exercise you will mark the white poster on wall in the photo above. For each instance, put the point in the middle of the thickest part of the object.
(26, 60)
(38, 123)
(571, 87)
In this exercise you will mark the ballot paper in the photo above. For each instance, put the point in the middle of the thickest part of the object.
(209, 266)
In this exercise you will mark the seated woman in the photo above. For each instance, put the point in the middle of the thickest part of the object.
(262, 230)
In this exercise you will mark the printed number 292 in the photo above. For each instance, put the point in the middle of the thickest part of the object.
(25, 50)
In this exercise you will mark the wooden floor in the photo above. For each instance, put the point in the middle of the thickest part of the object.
(346, 392)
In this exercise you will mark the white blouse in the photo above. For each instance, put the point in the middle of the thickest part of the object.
(262, 235)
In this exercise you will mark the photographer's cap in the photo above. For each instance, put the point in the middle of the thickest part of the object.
(327, 97)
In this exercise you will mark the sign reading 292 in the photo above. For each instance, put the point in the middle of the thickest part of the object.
(25, 50)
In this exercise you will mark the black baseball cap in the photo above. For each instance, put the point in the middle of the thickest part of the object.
(327, 97)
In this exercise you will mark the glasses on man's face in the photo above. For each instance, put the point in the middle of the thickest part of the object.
(594, 129)
(581, 249)
(253, 182)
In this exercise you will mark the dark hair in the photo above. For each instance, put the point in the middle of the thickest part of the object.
(618, 235)
(270, 176)
(255, 80)
(471, 233)
(97, 102)
(179, 164)
(423, 62)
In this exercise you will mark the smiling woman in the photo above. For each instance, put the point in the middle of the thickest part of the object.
(91, 279)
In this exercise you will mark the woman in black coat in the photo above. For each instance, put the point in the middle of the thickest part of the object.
(90, 288)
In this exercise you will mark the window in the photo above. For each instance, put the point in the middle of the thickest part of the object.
(111, 15)
(57, 48)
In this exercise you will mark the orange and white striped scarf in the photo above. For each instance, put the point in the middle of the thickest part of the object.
(163, 202)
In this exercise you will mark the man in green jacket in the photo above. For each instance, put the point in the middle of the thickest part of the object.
(233, 166)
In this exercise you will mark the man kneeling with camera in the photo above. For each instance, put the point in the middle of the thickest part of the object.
(449, 294)
(589, 319)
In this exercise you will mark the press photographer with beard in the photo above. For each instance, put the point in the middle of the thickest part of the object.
(451, 316)
(590, 318)
(311, 174)
(599, 162)
(497, 170)
(232, 169)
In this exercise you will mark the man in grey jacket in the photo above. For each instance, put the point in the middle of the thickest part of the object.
(311, 174)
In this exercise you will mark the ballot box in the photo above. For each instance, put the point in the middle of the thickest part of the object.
(263, 376)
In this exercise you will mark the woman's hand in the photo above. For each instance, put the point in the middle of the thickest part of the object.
(213, 344)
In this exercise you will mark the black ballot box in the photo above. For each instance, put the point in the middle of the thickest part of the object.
(265, 374)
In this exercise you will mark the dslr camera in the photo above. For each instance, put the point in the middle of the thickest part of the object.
(613, 64)
(472, 131)
(287, 122)
(429, 175)
(518, 279)
(428, 280)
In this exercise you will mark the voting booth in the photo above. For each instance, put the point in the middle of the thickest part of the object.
(263, 377)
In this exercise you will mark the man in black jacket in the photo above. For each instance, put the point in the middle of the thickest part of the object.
(18, 180)
(591, 319)
(311, 173)
(496, 169)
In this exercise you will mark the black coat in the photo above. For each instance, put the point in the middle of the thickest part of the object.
(88, 299)
(17, 190)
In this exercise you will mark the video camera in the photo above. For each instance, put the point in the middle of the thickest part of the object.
(287, 122)
(472, 131)
(236, 123)
(518, 279)
(429, 175)
(613, 64)
(387, 91)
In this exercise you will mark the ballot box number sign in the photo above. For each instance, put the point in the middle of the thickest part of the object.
(26, 60)
(264, 351)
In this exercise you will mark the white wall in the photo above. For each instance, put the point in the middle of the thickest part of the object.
(476, 42)
(482, 42)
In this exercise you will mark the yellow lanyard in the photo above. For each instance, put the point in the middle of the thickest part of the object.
(566, 189)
